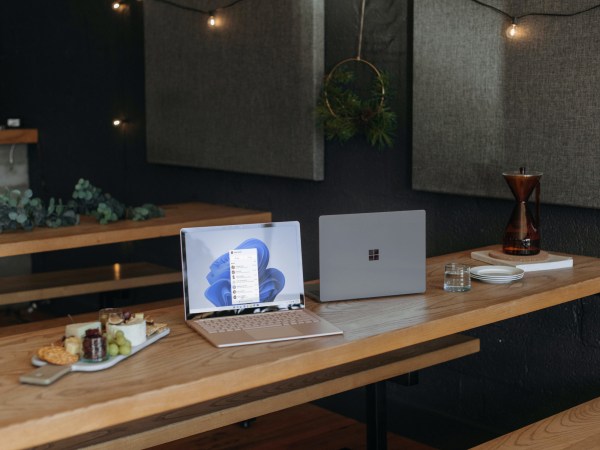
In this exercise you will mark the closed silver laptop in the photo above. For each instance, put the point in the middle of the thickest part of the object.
(243, 284)
(370, 255)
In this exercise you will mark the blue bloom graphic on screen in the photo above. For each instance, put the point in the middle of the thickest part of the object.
(271, 281)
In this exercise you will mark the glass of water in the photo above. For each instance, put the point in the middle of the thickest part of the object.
(457, 277)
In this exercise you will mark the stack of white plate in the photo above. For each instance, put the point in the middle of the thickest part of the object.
(496, 274)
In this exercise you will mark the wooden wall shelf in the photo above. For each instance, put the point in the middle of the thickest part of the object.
(19, 136)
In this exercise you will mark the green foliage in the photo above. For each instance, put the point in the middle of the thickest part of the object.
(86, 196)
(349, 115)
(106, 208)
(109, 210)
(22, 211)
(61, 215)
(144, 212)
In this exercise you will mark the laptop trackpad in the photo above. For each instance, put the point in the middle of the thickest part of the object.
(273, 332)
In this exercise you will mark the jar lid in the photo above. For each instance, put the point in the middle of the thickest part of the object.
(523, 172)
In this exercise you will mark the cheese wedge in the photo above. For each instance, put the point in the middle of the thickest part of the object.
(78, 329)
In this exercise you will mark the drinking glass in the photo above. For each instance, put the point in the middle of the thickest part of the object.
(457, 277)
(107, 313)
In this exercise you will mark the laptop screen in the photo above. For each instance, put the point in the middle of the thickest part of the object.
(374, 254)
(241, 268)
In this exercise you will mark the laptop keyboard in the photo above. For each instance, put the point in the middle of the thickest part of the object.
(261, 320)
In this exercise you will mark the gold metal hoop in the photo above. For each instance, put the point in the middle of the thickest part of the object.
(345, 61)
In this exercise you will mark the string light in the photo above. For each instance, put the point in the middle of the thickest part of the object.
(118, 122)
(212, 21)
(118, 5)
(512, 31)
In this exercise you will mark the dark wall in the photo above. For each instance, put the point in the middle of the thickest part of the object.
(532, 99)
(69, 67)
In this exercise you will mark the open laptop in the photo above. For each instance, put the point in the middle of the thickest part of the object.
(236, 274)
(370, 255)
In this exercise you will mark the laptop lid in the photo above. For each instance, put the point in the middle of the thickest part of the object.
(235, 268)
(372, 254)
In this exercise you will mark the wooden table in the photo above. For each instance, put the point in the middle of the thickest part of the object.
(44, 286)
(183, 385)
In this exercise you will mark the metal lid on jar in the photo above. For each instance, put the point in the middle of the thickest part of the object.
(523, 172)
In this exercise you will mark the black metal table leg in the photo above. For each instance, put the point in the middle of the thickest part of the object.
(376, 416)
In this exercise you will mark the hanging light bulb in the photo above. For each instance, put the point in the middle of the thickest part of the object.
(512, 32)
(120, 5)
(212, 21)
(117, 122)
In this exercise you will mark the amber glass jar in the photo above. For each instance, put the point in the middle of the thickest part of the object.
(94, 346)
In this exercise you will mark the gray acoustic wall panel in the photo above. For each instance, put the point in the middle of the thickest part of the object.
(484, 104)
(240, 96)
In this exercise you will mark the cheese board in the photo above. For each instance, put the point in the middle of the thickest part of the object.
(47, 373)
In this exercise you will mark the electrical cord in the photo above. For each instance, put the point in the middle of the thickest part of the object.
(514, 18)
(198, 10)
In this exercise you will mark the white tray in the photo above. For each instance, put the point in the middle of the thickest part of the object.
(82, 366)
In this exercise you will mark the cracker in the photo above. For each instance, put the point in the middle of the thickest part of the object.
(57, 355)
(155, 328)
(44, 349)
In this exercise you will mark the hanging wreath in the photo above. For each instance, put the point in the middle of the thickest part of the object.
(343, 113)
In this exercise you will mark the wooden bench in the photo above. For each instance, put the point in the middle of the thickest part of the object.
(45, 286)
(575, 428)
(64, 283)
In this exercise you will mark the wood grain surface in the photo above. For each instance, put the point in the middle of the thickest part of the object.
(189, 421)
(63, 283)
(89, 232)
(577, 428)
(19, 136)
(300, 428)
(183, 369)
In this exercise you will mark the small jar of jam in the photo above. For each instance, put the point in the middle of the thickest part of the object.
(94, 345)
